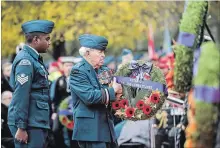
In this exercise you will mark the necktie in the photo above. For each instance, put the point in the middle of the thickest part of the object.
(40, 58)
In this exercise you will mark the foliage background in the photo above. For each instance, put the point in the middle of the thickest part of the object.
(124, 23)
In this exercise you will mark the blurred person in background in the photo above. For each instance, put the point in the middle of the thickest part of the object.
(17, 49)
(59, 47)
(110, 63)
(60, 64)
(4, 83)
(60, 91)
(6, 69)
(126, 56)
(6, 137)
(54, 72)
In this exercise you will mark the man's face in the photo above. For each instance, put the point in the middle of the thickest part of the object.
(96, 57)
(127, 58)
(67, 68)
(6, 98)
(43, 43)
(7, 71)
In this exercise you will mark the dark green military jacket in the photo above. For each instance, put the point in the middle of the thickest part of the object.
(92, 119)
(29, 81)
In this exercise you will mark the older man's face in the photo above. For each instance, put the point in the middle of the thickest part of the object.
(97, 58)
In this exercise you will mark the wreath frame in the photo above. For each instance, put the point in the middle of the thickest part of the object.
(143, 106)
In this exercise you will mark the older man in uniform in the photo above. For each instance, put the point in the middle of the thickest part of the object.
(93, 124)
(28, 115)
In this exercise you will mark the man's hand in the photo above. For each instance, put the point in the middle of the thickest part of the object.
(54, 116)
(117, 88)
(118, 96)
(21, 135)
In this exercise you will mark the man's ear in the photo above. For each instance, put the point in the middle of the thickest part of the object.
(87, 52)
(35, 39)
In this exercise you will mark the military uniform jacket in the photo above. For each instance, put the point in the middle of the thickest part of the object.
(29, 81)
(92, 119)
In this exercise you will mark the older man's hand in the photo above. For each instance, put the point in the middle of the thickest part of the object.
(118, 96)
(117, 88)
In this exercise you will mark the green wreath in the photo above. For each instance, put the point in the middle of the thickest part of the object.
(206, 105)
(65, 113)
(139, 103)
(192, 24)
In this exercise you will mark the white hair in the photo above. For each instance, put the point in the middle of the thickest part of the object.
(6, 94)
(83, 50)
(19, 47)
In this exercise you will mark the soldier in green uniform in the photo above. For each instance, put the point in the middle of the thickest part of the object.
(93, 124)
(28, 115)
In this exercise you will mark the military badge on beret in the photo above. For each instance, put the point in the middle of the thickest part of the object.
(22, 78)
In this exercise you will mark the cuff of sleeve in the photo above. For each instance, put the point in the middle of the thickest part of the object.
(21, 125)
(107, 96)
(111, 94)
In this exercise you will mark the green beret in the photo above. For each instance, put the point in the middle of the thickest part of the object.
(93, 41)
(43, 26)
(108, 60)
(126, 52)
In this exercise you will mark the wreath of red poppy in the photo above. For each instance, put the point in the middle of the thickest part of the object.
(143, 94)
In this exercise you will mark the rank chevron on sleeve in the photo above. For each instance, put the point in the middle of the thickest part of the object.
(22, 79)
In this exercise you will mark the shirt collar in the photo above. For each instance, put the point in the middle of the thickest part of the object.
(33, 49)
(88, 66)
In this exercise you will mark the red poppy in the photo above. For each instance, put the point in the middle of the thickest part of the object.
(64, 120)
(147, 109)
(123, 103)
(129, 112)
(70, 125)
(116, 105)
(155, 97)
(140, 104)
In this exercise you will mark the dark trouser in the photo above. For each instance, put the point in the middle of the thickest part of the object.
(73, 143)
(159, 139)
(36, 137)
(7, 142)
(93, 144)
(58, 134)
